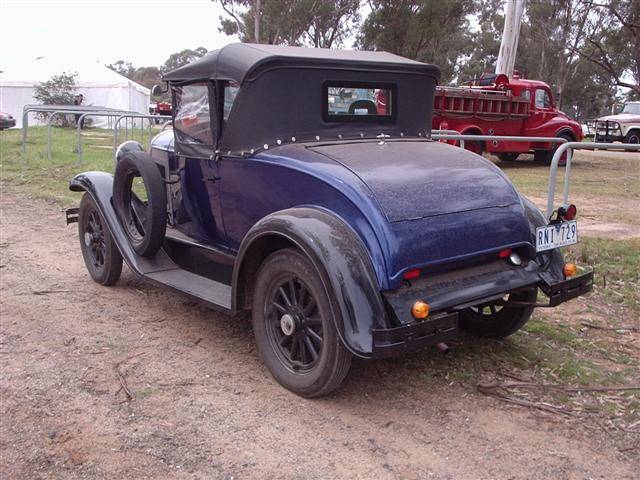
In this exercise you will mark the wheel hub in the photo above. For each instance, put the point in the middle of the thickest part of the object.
(287, 324)
(88, 238)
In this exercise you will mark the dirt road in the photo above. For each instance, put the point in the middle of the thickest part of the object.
(204, 406)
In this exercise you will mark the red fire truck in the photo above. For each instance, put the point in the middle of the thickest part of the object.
(496, 105)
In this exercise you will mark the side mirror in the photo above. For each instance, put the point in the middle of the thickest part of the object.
(158, 90)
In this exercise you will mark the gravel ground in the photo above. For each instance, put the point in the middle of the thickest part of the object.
(204, 406)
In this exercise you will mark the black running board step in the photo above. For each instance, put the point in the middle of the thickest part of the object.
(197, 286)
(160, 268)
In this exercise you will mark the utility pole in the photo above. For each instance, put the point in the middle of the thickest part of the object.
(509, 46)
(256, 20)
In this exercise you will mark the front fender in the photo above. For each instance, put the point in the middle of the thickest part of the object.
(343, 265)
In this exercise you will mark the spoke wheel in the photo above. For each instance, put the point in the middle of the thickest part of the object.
(293, 323)
(94, 239)
(498, 319)
(140, 200)
(101, 255)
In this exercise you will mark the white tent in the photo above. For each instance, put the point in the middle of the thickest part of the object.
(99, 85)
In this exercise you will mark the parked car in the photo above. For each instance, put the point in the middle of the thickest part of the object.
(623, 127)
(6, 121)
(345, 233)
(499, 105)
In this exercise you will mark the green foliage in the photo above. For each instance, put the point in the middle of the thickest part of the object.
(432, 31)
(586, 50)
(58, 90)
(183, 57)
(312, 23)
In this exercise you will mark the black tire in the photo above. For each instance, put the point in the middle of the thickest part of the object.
(288, 284)
(545, 156)
(508, 157)
(498, 321)
(100, 252)
(632, 137)
(144, 220)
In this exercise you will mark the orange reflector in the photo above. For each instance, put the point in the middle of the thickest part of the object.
(570, 269)
(420, 309)
(504, 253)
(415, 273)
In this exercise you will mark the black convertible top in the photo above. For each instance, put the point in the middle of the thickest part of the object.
(240, 61)
(281, 94)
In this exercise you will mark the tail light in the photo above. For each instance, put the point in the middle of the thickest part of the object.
(420, 309)
(570, 269)
(411, 274)
(567, 212)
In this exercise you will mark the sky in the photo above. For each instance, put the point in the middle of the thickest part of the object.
(143, 32)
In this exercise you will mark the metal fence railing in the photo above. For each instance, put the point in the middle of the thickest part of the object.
(569, 147)
(116, 125)
(67, 109)
(564, 146)
(55, 113)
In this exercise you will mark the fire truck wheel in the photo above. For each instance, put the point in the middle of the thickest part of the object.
(508, 157)
(545, 156)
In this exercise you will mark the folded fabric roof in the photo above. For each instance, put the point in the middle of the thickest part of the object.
(243, 61)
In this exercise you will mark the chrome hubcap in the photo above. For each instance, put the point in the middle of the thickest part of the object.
(287, 324)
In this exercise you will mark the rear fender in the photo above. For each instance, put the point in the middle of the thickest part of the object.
(341, 261)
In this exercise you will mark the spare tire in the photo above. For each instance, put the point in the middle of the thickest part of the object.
(141, 205)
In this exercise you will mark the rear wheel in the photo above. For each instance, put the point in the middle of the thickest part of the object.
(498, 319)
(474, 146)
(293, 326)
(100, 252)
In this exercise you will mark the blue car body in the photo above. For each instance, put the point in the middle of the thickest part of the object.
(368, 198)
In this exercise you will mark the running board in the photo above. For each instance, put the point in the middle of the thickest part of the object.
(194, 285)
(159, 269)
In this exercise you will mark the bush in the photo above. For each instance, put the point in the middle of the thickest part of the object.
(58, 90)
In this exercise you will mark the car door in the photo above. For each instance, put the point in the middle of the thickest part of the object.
(542, 108)
(197, 199)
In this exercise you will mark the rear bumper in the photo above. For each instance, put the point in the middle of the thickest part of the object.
(449, 293)
(562, 291)
(408, 338)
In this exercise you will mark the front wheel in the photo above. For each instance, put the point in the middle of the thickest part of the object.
(498, 319)
(508, 157)
(99, 250)
(293, 326)
(632, 137)
(545, 156)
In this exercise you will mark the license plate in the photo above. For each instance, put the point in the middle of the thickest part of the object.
(556, 235)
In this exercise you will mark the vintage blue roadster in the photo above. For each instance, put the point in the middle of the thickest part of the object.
(343, 228)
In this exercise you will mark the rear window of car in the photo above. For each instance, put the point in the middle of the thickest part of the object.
(359, 102)
(192, 119)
